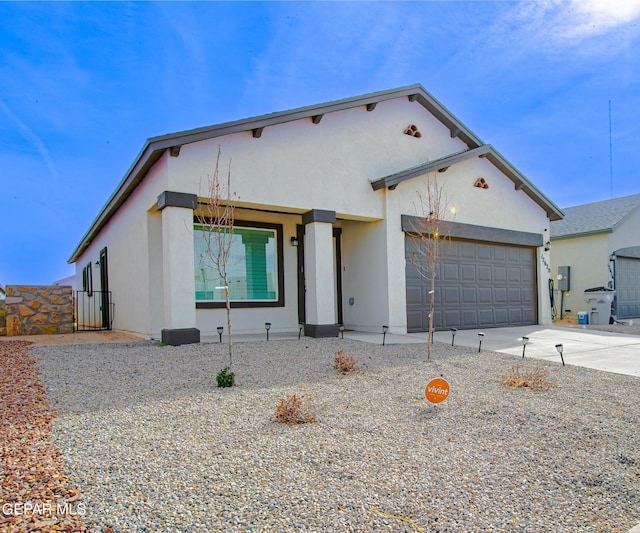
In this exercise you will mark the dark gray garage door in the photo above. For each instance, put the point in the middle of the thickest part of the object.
(628, 287)
(479, 285)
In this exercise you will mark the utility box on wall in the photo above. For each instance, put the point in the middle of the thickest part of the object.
(564, 278)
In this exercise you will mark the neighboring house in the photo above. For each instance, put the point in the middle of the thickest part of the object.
(600, 242)
(68, 281)
(327, 197)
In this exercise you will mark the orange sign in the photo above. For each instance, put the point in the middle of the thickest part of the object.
(437, 390)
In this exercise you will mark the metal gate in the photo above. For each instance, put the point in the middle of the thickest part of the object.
(92, 310)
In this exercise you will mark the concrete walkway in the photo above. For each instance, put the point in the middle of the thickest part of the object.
(611, 352)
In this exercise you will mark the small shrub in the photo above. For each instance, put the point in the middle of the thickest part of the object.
(536, 380)
(295, 409)
(344, 363)
(225, 378)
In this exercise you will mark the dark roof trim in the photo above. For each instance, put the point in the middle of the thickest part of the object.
(472, 232)
(156, 146)
(496, 158)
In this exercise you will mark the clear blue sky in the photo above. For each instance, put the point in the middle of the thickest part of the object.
(82, 85)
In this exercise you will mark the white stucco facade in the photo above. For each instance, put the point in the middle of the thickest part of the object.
(302, 174)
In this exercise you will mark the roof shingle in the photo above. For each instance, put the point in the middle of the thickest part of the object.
(594, 218)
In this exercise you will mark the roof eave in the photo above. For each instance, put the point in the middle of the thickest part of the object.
(581, 234)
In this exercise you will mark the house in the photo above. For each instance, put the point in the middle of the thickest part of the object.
(600, 243)
(324, 226)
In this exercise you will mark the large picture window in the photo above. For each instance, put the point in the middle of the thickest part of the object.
(254, 266)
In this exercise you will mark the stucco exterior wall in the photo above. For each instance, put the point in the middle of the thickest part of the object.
(588, 258)
(300, 165)
(627, 234)
(126, 238)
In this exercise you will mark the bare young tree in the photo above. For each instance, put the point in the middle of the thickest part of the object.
(216, 219)
(432, 235)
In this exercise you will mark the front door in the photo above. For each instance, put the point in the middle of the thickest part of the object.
(105, 303)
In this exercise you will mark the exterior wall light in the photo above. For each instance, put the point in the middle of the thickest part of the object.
(453, 335)
(480, 335)
(525, 341)
(384, 333)
(267, 326)
(560, 349)
(220, 330)
(294, 241)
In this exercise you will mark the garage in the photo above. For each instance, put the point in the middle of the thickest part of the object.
(479, 285)
(627, 283)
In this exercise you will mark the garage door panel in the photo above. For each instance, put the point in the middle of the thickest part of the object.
(468, 273)
(515, 295)
(480, 285)
(502, 317)
(485, 273)
(628, 287)
(485, 295)
(500, 295)
(486, 317)
(414, 295)
(469, 318)
(469, 295)
(499, 274)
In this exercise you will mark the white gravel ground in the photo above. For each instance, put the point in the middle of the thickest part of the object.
(156, 446)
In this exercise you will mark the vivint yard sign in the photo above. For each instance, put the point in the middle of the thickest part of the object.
(437, 390)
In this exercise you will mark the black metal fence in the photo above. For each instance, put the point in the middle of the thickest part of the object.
(92, 310)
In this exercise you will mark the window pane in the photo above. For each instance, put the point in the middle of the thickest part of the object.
(251, 267)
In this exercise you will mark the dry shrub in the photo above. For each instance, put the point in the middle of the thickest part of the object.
(344, 363)
(537, 379)
(295, 409)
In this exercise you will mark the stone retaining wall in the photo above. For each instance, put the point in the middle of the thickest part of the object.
(38, 309)
(3, 318)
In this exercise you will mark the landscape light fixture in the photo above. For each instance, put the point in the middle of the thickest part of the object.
(220, 330)
(560, 349)
(525, 341)
(453, 335)
(341, 328)
(480, 335)
(267, 326)
(300, 328)
(384, 333)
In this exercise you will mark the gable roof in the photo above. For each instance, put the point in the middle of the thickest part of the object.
(487, 151)
(595, 218)
(155, 147)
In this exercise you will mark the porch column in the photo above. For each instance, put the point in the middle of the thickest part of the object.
(319, 275)
(177, 268)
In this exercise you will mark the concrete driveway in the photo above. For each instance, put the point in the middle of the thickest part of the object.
(592, 349)
(612, 352)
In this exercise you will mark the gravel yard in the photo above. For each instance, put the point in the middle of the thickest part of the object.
(155, 446)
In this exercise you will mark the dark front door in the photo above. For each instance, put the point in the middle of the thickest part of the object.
(105, 307)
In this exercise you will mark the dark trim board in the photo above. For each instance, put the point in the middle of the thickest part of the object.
(177, 199)
(177, 337)
(457, 230)
(320, 331)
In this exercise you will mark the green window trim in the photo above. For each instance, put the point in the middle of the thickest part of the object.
(256, 271)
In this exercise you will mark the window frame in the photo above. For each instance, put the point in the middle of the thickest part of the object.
(246, 304)
(87, 279)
